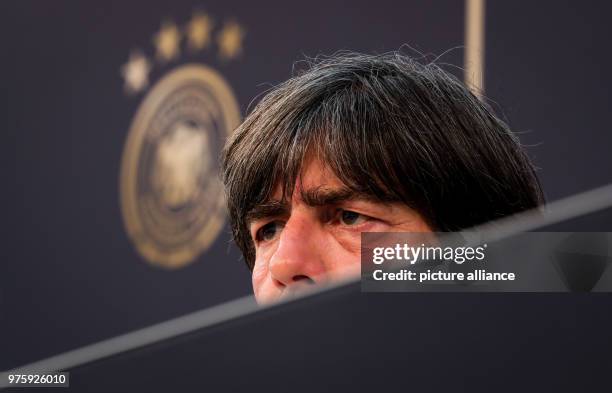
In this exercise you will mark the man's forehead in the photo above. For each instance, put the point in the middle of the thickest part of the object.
(313, 197)
(314, 178)
(317, 185)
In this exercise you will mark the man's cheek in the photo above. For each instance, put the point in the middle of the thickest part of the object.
(344, 261)
(350, 243)
(350, 270)
(259, 274)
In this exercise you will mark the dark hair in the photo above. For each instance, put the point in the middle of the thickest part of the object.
(388, 126)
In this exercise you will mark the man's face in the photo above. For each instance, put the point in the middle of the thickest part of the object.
(315, 237)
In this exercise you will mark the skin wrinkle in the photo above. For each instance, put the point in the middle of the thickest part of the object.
(314, 197)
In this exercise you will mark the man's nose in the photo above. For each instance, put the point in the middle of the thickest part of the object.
(298, 259)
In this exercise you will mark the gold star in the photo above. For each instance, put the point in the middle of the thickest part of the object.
(230, 41)
(198, 31)
(136, 72)
(167, 41)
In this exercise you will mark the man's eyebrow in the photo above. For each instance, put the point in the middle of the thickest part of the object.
(322, 196)
(268, 209)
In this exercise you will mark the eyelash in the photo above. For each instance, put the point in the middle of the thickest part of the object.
(259, 233)
(337, 217)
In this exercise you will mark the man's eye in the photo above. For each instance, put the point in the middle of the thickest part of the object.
(351, 218)
(268, 231)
